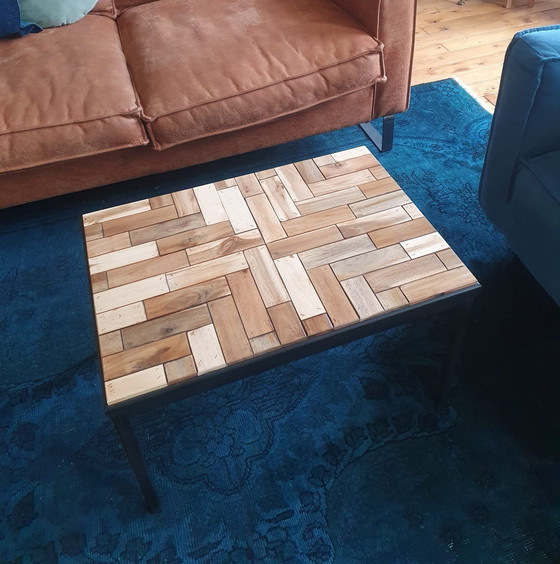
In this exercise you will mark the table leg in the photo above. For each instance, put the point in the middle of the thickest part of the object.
(132, 449)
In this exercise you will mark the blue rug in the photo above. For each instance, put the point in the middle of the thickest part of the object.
(340, 457)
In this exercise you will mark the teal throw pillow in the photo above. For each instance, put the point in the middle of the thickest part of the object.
(52, 13)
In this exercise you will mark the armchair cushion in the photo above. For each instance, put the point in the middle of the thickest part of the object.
(273, 59)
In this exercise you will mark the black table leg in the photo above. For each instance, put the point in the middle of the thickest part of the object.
(132, 449)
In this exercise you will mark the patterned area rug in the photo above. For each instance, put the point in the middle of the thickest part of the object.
(340, 457)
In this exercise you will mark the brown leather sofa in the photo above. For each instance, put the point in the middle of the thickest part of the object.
(144, 86)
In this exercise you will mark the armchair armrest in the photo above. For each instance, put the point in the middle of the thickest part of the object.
(393, 22)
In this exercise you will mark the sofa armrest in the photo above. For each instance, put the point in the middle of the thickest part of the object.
(393, 22)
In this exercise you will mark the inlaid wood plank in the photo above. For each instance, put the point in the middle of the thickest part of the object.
(249, 304)
(194, 237)
(229, 328)
(130, 293)
(341, 182)
(450, 259)
(147, 268)
(293, 182)
(346, 166)
(413, 211)
(392, 299)
(110, 343)
(332, 296)
(224, 247)
(116, 212)
(227, 183)
(424, 245)
(379, 172)
(120, 317)
(138, 220)
(93, 231)
(379, 203)
(185, 202)
(133, 385)
(305, 241)
(122, 257)
(362, 297)
(206, 271)
(351, 153)
(379, 187)
(166, 326)
(264, 343)
(180, 369)
(166, 228)
(374, 221)
(332, 200)
(144, 356)
(317, 325)
(267, 221)
(401, 232)
(315, 221)
(438, 284)
(399, 274)
(249, 184)
(237, 211)
(266, 276)
(261, 175)
(287, 323)
(108, 244)
(368, 262)
(186, 298)
(161, 201)
(99, 282)
(279, 198)
(324, 160)
(336, 251)
(301, 290)
(206, 349)
(210, 204)
(309, 171)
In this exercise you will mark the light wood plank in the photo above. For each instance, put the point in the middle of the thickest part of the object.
(369, 262)
(303, 294)
(332, 252)
(237, 211)
(379, 187)
(413, 211)
(317, 325)
(122, 257)
(138, 220)
(403, 231)
(305, 241)
(93, 231)
(424, 245)
(249, 184)
(229, 328)
(438, 284)
(249, 304)
(99, 282)
(166, 228)
(223, 247)
(358, 226)
(351, 153)
(107, 244)
(145, 356)
(161, 201)
(267, 221)
(227, 183)
(110, 343)
(137, 384)
(450, 259)
(206, 349)
(194, 237)
(166, 326)
(180, 370)
(315, 221)
(262, 174)
(185, 202)
(309, 171)
(403, 273)
(392, 299)
(379, 203)
(186, 298)
(362, 297)
(293, 182)
(206, 271)
(120, 317)
(264, 343)
(332, 296)
(332, 200)
(341, 182)
(346, 166)
(210, 204)
(323, 160)
(130, 293)
(116, 212)
(266, 276)
(279, 198)
(287, 323)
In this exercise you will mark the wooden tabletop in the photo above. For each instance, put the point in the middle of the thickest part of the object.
(190, 282)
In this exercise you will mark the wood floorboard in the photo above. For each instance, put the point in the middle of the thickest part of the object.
(469, 42)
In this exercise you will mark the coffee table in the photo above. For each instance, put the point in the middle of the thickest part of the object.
(201, 287)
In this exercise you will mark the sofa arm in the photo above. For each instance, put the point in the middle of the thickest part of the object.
(393, 22)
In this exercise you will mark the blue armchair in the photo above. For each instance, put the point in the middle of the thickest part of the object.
(520, 184)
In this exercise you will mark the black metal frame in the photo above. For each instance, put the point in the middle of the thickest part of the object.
(120, 413)
(384, 140)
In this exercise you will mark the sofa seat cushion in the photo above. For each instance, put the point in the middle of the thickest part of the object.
(66, 93)
(202, 68)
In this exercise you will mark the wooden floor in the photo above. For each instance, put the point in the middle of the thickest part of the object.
(468, 42)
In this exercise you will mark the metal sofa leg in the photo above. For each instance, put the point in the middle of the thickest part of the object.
(384, 140)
